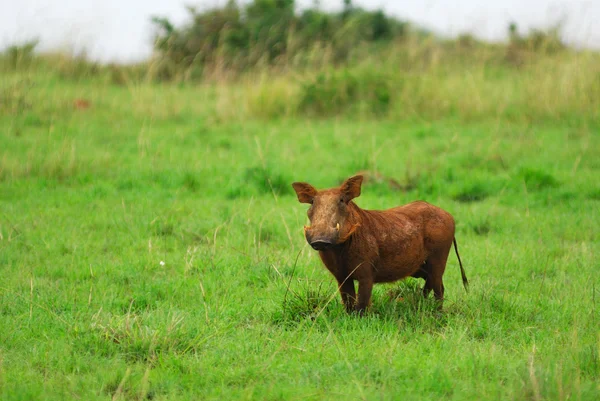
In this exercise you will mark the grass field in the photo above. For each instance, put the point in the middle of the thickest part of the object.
(151, 248)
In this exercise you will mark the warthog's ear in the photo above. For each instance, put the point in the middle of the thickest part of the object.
(351, 187)
(305, 192)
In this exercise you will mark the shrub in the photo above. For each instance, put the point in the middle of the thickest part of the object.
(268, 32)
(537, 179)
(332, 92)
(19, 56)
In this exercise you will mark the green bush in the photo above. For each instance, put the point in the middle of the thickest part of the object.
(18, 56)
(268, 32)
(332, 92)
(537, 179)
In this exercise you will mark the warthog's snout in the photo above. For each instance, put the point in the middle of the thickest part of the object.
(319, 240)
(321, 245)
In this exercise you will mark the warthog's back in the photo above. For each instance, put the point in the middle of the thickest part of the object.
(435, 223)
(406, 236)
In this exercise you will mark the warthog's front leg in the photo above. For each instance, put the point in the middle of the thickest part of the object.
(365, 288)
(346, 286)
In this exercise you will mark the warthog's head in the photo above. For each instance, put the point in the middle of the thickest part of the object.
(329, 212)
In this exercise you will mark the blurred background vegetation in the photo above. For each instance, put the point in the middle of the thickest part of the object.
(273, 61)
(151, 245)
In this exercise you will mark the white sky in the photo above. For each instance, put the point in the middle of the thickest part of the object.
(120, 30)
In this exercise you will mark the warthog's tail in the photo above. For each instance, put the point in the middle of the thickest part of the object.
(462, 270)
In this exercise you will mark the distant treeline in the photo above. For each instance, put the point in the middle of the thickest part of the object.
(351, 48)
(271, 32)
(235, 38)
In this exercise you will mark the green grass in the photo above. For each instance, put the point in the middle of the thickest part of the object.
(152, 248)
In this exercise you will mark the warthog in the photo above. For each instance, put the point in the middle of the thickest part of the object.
(372, 246)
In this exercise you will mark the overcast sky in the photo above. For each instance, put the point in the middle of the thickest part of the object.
(119, 30)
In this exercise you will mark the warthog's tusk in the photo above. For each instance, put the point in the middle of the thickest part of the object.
(337, 226)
